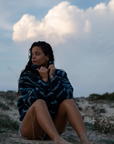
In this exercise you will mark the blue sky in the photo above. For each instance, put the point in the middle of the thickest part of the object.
(80, 32)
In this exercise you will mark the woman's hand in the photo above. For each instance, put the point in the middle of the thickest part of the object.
(43, 73)
(51, 69)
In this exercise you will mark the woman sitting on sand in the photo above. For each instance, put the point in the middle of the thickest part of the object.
(46, 104)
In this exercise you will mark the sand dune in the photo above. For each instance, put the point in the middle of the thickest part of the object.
(97, 112)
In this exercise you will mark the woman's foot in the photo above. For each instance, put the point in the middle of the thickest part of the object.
(84, 139)
(60, 140)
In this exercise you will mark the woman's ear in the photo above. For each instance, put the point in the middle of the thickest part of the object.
(47, 57)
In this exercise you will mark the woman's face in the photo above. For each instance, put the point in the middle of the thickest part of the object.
(38, 57)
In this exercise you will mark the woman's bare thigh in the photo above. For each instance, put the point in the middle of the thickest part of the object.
(60, 120)
(30, 127)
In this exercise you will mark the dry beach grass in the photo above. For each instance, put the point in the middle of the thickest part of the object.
(98, 115)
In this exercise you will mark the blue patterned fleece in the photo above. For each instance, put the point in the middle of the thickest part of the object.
(53, 92)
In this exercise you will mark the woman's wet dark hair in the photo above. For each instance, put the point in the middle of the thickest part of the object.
(47, 50)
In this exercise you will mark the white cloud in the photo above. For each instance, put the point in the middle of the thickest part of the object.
(63, 21)
(101, 6)
(111, 5)
(55, 25)
(25, 28)
(87, 26)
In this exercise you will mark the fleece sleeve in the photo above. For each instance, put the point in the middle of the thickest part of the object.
(31, 90)
(62, 87)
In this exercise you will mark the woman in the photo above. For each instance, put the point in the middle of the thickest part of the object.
(46, 104)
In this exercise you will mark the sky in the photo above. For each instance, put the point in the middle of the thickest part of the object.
(80, 32)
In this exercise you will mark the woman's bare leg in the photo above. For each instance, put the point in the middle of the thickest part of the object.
(37, 120)
(68, 111)
(75, 119)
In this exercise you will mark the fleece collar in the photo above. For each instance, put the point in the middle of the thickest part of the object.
(36, 66)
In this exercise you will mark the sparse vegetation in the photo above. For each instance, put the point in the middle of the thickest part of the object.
(93, 107)
(80, 108)
(72, 138)
(6, 123)
(3, 106)
(90, 126)
(106, 96)
(112, 105)
(106, 141)
(9, 95)
(104, 125)
(102, 110)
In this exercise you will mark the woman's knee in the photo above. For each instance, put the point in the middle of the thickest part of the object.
(67, 102)
(36, 105)
(39, 102)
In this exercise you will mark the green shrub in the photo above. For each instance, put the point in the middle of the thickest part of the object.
(102, 110)
(90, 126)
(104, 125)
(105, 96)
(80, 108)
(7, 123)
(9, 95)
(3, 106)
(107, 141)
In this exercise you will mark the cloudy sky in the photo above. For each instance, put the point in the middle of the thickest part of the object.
(80, 32)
